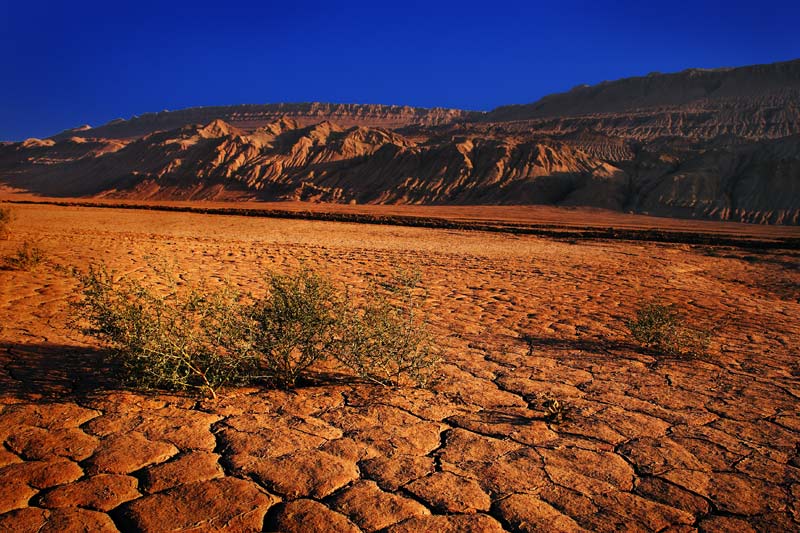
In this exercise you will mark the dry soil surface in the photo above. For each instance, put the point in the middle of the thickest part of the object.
(648, 443)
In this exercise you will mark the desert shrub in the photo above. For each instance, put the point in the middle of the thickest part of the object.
(6, 217)
(305, 319)
(663, 328)
(195, 338)
(296, 324)
(386, 340)
(530, 342)
(27, 257)
(554, 410)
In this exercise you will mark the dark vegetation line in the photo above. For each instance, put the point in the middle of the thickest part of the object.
(544, 230)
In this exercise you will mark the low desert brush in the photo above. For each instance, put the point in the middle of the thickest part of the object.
(6, 217)
(195, 338)
(530, 342)
(296, 324)
(554, 410)
(387, 341)
(663, 328)
(27, 257)
(172, 337)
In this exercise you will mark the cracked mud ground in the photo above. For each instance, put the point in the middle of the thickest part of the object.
(649, 443)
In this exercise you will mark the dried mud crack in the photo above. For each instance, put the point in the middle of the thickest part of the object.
(647, 443)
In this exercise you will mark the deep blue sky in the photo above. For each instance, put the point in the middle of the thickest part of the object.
(70, 63)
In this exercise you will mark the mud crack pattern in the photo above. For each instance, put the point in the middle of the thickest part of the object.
(648, 443)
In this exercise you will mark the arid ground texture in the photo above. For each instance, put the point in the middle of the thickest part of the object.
(648, 442)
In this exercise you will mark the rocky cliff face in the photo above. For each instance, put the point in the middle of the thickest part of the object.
(729, 180)
(722, 144)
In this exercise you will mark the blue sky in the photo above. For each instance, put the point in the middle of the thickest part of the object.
(70, 63)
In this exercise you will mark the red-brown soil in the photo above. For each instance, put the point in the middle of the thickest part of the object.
(648, 443)
(519, 219)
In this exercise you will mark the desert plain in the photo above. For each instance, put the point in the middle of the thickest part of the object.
(648, 442)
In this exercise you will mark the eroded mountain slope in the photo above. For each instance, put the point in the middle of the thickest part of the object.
(731, 179)
(699, 143)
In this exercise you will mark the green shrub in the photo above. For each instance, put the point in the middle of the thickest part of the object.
(6, 217)
(297, 324)
(190, 339)
(194, 337)
(554, 410)
(387, 340)
(27, 257)
(663, 328)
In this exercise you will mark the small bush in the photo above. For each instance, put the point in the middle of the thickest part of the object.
(663, 328)
(6, 217)
(554, 410)
(296, 324)
(530, 342)
(204, 339)
(27, 257)
(387, 340)
(191, 339)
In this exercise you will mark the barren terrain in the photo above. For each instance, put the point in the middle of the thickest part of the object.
(648, 443)
(720, 144)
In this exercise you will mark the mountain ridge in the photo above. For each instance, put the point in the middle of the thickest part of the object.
(694, 84)
(671, 150)
(774, 85)
(253, 116)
